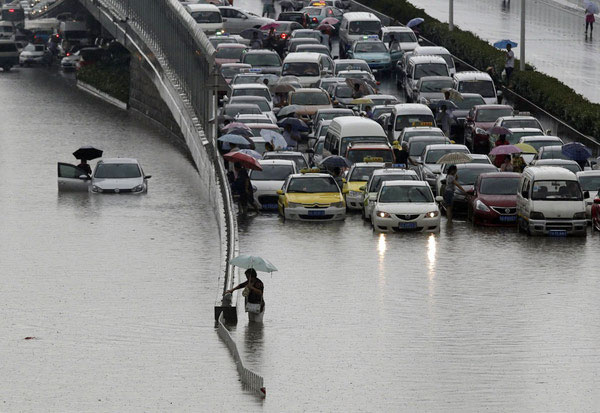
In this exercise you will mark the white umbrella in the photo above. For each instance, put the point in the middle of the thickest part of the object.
(455, 157)
(252, 261)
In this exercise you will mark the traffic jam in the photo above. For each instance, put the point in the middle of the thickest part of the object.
(306, 131)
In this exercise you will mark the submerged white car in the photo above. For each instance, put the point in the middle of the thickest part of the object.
(267, 182)
(119, 175)
(405, 206)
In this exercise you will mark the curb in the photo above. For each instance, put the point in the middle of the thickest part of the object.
(99, 94)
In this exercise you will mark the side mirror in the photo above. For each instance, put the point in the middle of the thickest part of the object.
(345, 191)
(363, 188)
(279, 192)
(439, 199)
(84, 177)
(548, 131)
(586, 194)
(597, 201)
(147, 176)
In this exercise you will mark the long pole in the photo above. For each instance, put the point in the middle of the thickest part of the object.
(522, 44)
(451, 15)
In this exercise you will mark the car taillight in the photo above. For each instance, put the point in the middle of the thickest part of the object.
(314, 19)
(283, 35)
(68, 54)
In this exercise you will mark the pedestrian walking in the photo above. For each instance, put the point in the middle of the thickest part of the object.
(369, 112)
(451, 185)
(499, 159)
(401, 155)
(256, 43)
(243, 188)
(270, 42)
(509, 64)
(253, 292)
(507, 165)
(337, 176)
(291, 136)
(357, 93)
(589, 18)
(268, 8)
(444, 120)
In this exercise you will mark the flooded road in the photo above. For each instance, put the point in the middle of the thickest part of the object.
(118, 291)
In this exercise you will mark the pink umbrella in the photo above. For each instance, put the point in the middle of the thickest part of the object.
(270, 26)
(233, 125)
(330, 20)
(505, 150)
(327, 27)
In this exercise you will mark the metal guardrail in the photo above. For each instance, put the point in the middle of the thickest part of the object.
(251, 380)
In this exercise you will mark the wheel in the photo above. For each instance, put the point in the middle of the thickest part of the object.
(7, 68)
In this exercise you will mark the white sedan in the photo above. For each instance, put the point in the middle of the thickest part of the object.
(119, 175)
(267, 182)
(405, 206)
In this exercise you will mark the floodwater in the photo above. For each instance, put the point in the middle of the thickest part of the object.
(118, 291)
(555, 40)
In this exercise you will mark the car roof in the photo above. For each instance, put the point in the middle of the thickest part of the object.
(555, 161)
(261, 51)
(418, 59)
(262, 125)
(312, 46)
(365, 164)
(420, 128)
(202, 6)
(311, 175)
(549, 172)
(302, 56)
(237, 64)
(396, 29)
(550, 148)
(426, 138)
(537, 138)
(483, 106)
(250, 86)
(276, 162)
(378, 96)
(369, 145)
(517, 117)
(360, 15)
(285, 153)
(444, 146)
(472, 75)
(118, 160)
(335, 110)
(476, 166)
(404, 183)
(589, 173)
(433, 50)
(231, 46)
(252, 116)
(524, 129)
(309, 90)
(394, 171)
(336, 61)
(500, 175)
(412, 108)
(247, 98)
(435, 78)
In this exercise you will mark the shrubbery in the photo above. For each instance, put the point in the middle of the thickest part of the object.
(110, 74)
(545, 91)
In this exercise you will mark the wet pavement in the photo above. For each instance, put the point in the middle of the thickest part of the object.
(555, 40)
(118, 291)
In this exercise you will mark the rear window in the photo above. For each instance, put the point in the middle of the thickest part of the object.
(300, 69)
(229, 53)
(310, 98)
(362, 173)
(242, 110)
(262, 59)
(343, 91)
(468, 176)
(402, 37)
(435, 154)
(539, 144)
(358, 155)
(339, 67)
(298, 160)
(252, 92)
(370, 47)
(379, 179)
(590, 182)
(553, 153)
(436, 86)
(405, 121)
(416, 148)
(368, 27)
(499, 186)
(490, 115)
(272, 173)
(349, 139)
(430, 69)
(484, 88)
(521, 123)
(207, 16)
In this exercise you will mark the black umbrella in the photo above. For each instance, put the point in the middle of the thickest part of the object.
(249, 34)
(88, 153)
(335, 161)
(287, 111)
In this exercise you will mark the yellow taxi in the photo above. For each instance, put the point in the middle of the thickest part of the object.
(357, 177)
(311, 196)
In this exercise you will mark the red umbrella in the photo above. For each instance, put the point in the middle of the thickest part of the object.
(326, 27)
(270, 26)
(245, 160)
(330, 20)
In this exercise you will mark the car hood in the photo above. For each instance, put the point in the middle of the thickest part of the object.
(432, 95)
(125, 183)
(558, 209)
(267, 186)
(507, 201)
(223, 60)
(372, 56)
(311, 109)
(407, 208)
(311, 199)
(356, 185)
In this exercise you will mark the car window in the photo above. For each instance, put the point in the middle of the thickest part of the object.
(206, 16)
(404, 121)
(349, 139)
(436, 86)
(233, 110)
(117, 171)
(520, 123)
(559, 190)
(490, 115)
(468, 102)
(252, 92)
(589, 182)
(393, 194)
(468, 176)
(415, 148)
(433, 155)
(484, 88)
(272, 173)
(300, 69)
(430, 69)
(364, 27)
(499, 186)
(262, 59)
(378, 180)
(358, 155)
(343, 91)
(69, 171)
(370, 47)
(310, 98)
(402, 37)
(230, 53)
(362, 173)
(312, 185)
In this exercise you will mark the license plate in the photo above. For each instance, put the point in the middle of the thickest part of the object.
(557, 233)
(316, 213)
(269, 206)
(408, 225)
(508, 218)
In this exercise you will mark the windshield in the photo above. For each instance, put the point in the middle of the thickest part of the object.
(230, 53)
(340, 67)
(8, 47)
(484, 88)
(435, 154)
(343, 91)
(272, 173)
(402, 37)
(554, 152)
(370, 47)
(358, 155)
(416, 148)
(300, 69)
(380, 111)
(362, 173)
(427, 132)
(490, 115)
(245, 79)
(573, 167)
(313, 11)
(430, 69)
(521, 123)
(368, 27)
(308, 35)
(262, 104)
(234, 110)
(404, 121)
(252, 92)
(499, 186)
(298, 160)
(262, 59)
(323, 131)
(436, 86)
(468, 102)
(34, 48)
(556, 191)
(117, 171)
(313, 185)
(589, 183)
(379, 179)
(404, 193)
(206, 16)
(538, 144)
(349, 139)
(310, 98)
(468, 176)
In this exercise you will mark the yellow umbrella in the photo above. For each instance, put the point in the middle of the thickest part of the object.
(361, 101)
(525, 148)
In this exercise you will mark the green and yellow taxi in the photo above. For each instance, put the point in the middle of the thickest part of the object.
(357, 177)
(311, 196)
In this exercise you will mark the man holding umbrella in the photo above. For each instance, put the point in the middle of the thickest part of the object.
(85, 154)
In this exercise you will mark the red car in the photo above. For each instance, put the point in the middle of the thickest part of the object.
(479, 120)
(596, 214)
(494, 201)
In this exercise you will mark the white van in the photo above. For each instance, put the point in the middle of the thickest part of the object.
(476, 82)
(75, 32)
(437, 51)
(207, 16)
(252, 89)
(409, 115)
(550, 202)
(354, 26)
(344, 130)
(307, 67)
(421, 66)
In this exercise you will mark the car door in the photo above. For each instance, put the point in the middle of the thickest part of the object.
(69, 178)
(239, 21)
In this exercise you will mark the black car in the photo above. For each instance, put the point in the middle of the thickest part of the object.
(283, 33)
(294, 16)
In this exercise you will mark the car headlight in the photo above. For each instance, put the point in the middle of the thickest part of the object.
(382, 214)
(294, 205)
(337, 204)
(354, 193)
(480, 131)
(536, 215)
(579, 215)
(138, 188)
(480, 206)
(432, 214)
(96, 188)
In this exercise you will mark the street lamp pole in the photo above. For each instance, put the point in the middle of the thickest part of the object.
(522, 43)
(451, 15)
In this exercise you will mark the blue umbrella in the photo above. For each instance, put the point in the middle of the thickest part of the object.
(415, 22)
(252, 261)
(335, 160)
(275, 138)
(576, 151)
(235, 139)
(296, 124)
(503, 43)
(251, 153)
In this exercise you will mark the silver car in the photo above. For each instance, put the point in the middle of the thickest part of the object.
(119, 175)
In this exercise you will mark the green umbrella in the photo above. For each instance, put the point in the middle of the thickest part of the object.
(252, 261)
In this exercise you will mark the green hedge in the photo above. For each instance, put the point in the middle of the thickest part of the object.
(111, 77)
(545, 91)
